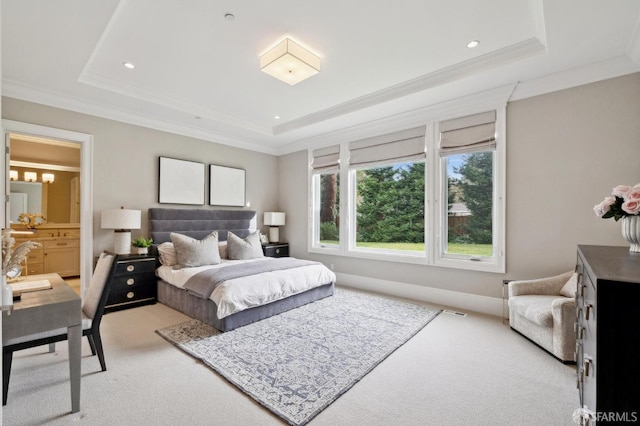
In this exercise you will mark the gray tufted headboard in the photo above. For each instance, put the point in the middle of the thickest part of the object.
(198, 223)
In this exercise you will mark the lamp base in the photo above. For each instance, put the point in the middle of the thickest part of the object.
(274, 234)
(122, 241)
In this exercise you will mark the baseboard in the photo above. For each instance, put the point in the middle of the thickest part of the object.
(455, 299)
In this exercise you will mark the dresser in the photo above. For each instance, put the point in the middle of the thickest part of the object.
(133, 283)
(608, 330)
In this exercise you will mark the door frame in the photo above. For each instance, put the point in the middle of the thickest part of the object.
(86, 184)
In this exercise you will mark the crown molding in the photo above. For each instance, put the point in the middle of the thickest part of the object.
(471, 104)
(38, 95)
(566, 79)
(633, 51)
(458, 71)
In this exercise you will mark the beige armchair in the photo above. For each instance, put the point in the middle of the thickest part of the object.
(544, 311)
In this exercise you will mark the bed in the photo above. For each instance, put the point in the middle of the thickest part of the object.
(304, 283)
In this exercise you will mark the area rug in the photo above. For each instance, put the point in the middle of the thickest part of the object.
(297, 363)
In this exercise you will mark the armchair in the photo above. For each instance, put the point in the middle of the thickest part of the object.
(544, 311)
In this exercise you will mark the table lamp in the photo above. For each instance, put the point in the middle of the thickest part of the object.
(122, 221)
(273, 220)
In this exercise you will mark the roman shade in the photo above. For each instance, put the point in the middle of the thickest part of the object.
(468, 134)
(326, 160)
(403, 146)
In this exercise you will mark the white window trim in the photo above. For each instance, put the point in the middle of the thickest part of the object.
(435, 217)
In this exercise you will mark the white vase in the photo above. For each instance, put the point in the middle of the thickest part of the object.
(142, 250)
(631, 232)
(7, 292)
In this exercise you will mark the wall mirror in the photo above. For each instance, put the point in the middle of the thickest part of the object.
(44, 179)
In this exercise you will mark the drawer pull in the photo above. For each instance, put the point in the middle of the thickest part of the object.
(130, 268)
(587, 311)
(130, 295)
(61, 244)
(587, 365)
(130, 281)
(277, 251)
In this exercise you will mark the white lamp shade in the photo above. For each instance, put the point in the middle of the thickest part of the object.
(274, 218)
(120, 219)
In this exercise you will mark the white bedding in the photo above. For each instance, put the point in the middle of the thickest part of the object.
(243, 293)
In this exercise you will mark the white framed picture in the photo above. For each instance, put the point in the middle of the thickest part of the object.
(181, 182)
(226, 186)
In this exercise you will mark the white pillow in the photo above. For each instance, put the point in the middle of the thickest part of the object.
(167, 254)
(191, 252)
(242, 249)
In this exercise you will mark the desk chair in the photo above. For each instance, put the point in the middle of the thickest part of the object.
(92, 310)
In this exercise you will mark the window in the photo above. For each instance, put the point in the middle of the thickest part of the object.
(467, 147)
(387, 175)
(326, 197)
(432, 194)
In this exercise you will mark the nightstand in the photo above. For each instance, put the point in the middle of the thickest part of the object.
(133, 283)
(276, 249)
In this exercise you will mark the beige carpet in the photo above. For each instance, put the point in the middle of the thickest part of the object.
(459, 370)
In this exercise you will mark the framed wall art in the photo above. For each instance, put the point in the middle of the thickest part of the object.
(226, 186)
(181, 182)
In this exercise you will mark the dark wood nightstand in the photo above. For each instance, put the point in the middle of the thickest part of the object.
(133, 283)
(276, 249)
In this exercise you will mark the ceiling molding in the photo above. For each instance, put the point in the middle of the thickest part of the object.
(566, 79)
(167, 101)
(463, 69)
(471, 104)
(38, 95)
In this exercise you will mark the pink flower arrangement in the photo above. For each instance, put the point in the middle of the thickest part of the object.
(625, 202)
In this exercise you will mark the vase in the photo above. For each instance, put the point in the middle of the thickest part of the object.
(142, 250)
(631, 232)
(7, 292)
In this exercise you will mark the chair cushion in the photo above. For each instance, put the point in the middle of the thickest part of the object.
(98, 281)
(569, 289)
(536, 308)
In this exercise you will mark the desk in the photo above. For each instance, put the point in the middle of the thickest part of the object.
(47, 310)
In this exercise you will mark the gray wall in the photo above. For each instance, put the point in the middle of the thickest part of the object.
(125, 162)
(565, 151)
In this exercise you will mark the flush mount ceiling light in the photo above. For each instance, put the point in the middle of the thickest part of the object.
(290, 62)
(472, 44)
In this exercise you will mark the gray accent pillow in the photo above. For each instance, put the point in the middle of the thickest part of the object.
(247, 248)
(191, 252)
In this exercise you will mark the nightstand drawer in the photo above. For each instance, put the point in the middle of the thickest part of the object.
(137, 266)
(132, 281)
(131, 295)
(276, 250)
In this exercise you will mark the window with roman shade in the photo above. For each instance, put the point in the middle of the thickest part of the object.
(468, 134)
(403, 146)
(326, 160)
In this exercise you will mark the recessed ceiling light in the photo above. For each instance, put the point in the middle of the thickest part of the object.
(128, 65)
(229, 16)
(277, 117)
(472, 44)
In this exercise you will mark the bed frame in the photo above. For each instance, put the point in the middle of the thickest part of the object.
(198, 223)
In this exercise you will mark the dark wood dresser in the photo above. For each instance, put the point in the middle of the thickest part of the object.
(608, 331)
(134, 282)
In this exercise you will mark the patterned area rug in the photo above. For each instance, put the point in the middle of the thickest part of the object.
(297, 363)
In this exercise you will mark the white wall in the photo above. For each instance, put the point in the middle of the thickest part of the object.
(125, 162)
(565, 151)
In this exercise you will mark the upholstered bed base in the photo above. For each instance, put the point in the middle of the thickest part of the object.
(198, 223)
(205, 309)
